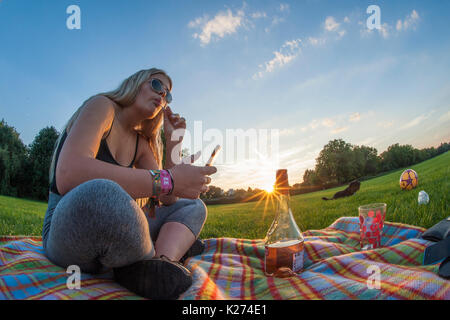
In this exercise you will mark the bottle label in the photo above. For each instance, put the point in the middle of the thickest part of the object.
(287, 254)
(297, 261)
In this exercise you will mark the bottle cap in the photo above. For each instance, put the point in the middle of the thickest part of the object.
(281, 182)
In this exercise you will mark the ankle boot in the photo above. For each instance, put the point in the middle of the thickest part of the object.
(157, 278)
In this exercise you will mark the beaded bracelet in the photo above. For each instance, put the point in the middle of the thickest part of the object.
(156, 182)
(171, 180)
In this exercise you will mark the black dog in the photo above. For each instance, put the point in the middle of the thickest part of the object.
(351, 189)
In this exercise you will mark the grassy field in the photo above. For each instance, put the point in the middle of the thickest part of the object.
(252, 220)
(21, 217)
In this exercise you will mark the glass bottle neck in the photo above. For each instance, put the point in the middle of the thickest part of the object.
(283, 204)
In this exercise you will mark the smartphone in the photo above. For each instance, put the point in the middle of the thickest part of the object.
(213, 155)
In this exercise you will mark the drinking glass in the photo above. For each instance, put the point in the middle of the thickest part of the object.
(371, 221)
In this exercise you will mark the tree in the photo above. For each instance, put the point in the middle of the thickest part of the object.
(335, 161)
(444, 147)
(366, 161)
(310, 178)
(41, 151)
(13, 154)
(213, 193)
(397, 156)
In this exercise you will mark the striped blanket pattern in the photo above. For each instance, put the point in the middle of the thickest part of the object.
(334, 268)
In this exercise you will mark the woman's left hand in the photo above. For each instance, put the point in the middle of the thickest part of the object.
(173, 122)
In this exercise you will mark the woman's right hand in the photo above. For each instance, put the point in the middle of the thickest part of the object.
(190, 181)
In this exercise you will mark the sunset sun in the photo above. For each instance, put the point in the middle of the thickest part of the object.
(268, 188)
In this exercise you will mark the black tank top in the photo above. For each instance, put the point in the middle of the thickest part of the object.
(103, 154)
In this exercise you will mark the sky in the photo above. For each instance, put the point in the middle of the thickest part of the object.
(286, 77)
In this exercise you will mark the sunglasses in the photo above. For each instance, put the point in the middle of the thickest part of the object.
(158, 87)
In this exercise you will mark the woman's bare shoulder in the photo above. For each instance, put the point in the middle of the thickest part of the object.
(101, 104)
(96, 111)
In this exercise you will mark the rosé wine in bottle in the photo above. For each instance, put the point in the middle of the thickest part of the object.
(284, 242)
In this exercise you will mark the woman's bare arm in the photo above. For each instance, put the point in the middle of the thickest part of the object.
(77, 163)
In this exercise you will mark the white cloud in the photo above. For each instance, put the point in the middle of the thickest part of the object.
(282, 11)
(316, 41)
(198, 21)
(279, 60)
(293, 44)
(339, 130)
(288, 52)
(386, 30)
(224, 23)
(445, 117)
(276, 20)
(410, 22)
(314, 124)
(385, 124)
(287, 132)
(284, 7)
(355, 117)
(415, 121)
(331, 24)
(328, 123)
(258, 14)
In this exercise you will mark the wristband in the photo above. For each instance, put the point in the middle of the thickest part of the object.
(156, 191)
(166, 182)
(162, 182)
(156, 183)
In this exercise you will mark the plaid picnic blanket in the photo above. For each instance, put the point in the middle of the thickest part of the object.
(334, 268)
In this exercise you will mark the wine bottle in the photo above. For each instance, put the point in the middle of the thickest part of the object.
(284, 242)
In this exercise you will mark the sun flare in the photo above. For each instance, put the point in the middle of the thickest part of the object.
(268, 188)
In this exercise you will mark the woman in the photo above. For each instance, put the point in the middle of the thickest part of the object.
(106, 161)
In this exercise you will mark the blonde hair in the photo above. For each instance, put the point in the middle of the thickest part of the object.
(124, 96)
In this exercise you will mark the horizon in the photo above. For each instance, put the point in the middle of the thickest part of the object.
(269, 188)
(311, 71)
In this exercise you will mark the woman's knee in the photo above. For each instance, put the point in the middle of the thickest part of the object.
(195, 215)
(201, 210)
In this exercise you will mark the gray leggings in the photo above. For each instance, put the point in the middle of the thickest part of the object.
(98, 226)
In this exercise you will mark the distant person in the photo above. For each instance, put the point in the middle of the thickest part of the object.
(106, 185)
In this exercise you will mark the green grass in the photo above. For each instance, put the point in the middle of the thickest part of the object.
(248, 220)
(251, 221)
(21, 217)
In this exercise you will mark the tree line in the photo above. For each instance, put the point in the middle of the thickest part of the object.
(340, 162)
(24, 170)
